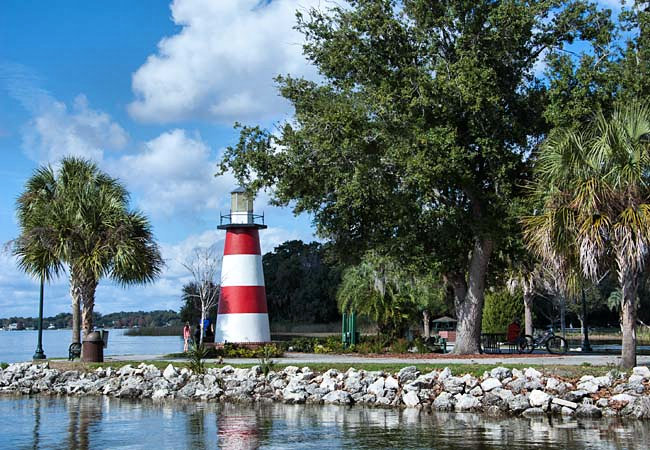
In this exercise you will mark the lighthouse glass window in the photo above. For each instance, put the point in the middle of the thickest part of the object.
(241, 202)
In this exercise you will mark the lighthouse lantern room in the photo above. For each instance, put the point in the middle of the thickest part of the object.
(242, 315)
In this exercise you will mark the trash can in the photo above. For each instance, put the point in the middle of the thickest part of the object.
(92, 349)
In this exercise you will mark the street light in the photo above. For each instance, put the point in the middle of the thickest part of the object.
(39, 346)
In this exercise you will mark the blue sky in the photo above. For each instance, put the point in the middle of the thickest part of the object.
(149, 90)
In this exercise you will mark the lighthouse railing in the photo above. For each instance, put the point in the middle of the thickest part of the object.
(251, 219)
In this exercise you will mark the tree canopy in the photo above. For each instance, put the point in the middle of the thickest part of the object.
(415, 140)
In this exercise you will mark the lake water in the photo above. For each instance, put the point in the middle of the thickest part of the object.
(18, 346)
(87, 422)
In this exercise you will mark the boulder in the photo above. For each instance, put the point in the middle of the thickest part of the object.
(411, 399)
(408, 373)
(466, 402)
(518, 403)
(642, 371)
(588, 412)
(170, 372)
(564, 403)
(444, 402)
(454, 385)
(391, 383)
(490, 384)
(532, 373)
(538, 399)
(338, 398)
(500, 373)
(377, 388)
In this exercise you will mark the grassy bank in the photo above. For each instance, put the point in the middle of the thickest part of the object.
(155, 331)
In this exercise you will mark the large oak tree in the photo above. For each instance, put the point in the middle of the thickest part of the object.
(414, 140)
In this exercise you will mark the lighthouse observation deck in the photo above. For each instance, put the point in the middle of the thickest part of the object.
(241, 220)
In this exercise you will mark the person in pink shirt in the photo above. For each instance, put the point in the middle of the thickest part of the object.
(187, 332)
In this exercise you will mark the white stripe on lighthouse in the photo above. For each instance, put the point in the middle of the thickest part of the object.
(242, 270)
(242, 328)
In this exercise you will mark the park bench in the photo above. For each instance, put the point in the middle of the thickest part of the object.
(74, 351)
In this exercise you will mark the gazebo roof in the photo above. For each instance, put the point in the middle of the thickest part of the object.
(444, 319)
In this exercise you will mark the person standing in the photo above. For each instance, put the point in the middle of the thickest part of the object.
(187, 332)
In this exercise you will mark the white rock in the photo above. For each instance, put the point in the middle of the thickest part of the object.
(635, 379)
(377, 387)
(391, 383)
(567, 411)
(623, 398)
(465, 402)
(169, 372)
(565, 403)
(338, 397)
(532, 373)
(553, 384)
(490, 384)
(476, 391)
(159, 393)
(446, 373)
(411, 399)
(328, 384)
(604, 381)
(516, 373)
(642, 371)
(538, 398)
(588, 386)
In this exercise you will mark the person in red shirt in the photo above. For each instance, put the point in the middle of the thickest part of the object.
(187, 332)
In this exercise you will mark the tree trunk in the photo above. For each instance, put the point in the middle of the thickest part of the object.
(425, 321)
(628, 322)
(75, 294)
(201, 326)
(528, 312)
(82, 291)
(468, 299)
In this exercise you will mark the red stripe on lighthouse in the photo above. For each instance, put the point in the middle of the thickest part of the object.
(242, 241)
(242, 299)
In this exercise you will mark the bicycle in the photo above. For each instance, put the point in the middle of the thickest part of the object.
(554, 344)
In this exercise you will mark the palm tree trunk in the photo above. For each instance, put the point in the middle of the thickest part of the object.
(469, 297)
(425, 320)
(528, 312)
(82, 291)
(88, 288)
(75, 294)
(628, 322)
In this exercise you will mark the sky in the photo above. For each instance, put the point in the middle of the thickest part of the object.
(149, 90)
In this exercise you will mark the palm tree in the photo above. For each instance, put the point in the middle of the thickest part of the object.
(594, 185)
(78, 216)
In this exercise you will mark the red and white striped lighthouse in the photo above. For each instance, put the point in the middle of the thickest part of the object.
(242, 315)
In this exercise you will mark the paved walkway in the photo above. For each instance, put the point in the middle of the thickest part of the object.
(302, 359)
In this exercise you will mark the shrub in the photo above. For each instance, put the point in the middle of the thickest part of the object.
(198, 353)
(500, 309)
(400, 346)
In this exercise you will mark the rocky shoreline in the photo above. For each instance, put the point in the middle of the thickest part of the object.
(499, 392)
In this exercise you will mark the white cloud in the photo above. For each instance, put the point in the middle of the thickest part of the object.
(56, 131)
(221, 64)
(174, 173)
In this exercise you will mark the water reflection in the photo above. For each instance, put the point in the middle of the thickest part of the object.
(109, 423)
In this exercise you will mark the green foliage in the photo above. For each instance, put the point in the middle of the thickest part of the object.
(301, 283)
(197, 355)
(230, 350)
(416, 138)
(79, 216)
(399, 346)
(3, 365)
(266, 363)
(501, 308)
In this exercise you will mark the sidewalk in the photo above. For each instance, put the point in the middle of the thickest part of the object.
(304, 359)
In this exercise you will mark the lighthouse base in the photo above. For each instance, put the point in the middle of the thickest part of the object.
(242, 328)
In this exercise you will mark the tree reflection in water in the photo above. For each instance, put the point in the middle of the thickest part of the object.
(82, 413)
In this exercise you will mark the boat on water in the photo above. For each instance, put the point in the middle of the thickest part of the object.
(51, 327)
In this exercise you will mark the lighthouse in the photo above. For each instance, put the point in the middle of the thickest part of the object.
(242, 316)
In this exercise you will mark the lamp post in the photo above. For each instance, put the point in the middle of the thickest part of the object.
(586, 347)
(39, 346)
